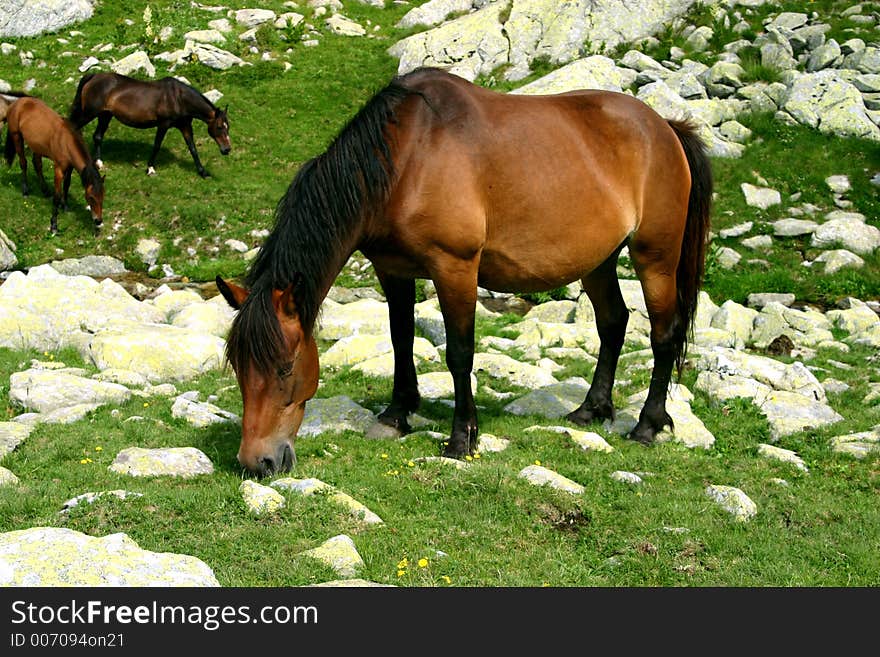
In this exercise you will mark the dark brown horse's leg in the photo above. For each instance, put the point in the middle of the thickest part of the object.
(104, 119)
(187, 131)
(161, 129)
(37, 161)
(401, 296)
(458, 298)
(612, 316)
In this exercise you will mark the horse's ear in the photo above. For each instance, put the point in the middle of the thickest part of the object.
(286, 298)
(234, 294)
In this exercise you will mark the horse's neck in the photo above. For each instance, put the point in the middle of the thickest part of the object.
(200, 106)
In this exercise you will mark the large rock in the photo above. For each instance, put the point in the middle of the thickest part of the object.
(850, 231)
(25, 18)
(91, 265)
(789, 412)
(433, 12)
(45, 391)
(516, 32)
(499, 366)
(167, 461)
(365, 316)
(136, 62)
(47, 311)
(825, 100)
(314, 486)
(159, 352)
(553, 401)
(53, 556)
(334, 414)
(595, 72)
(200, 414)
(260, 500)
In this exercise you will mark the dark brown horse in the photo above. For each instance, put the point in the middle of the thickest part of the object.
(163, 104)
(34, 124)
(438, 178)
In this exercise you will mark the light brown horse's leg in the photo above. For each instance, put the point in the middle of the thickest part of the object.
(37, 161)
(66, 188)
(401, 296)
(18, 140)
(656, 268)
(56, 199)
(603, 289)
(456, 283)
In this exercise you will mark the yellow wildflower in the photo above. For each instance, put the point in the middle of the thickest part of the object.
(403, 563)
(446, 579)
(477, 455)
(423, 563)
(384, 456)
(99, 448)
(410, 464)
(401, 573)
(537, 462)
(468, 457)
(146, 404)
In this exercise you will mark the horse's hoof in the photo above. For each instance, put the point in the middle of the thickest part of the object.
(151, 171)
(204, 174)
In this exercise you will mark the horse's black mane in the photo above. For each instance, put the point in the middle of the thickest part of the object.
(325, 204)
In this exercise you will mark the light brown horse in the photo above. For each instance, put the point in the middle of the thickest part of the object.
(34, 124)
(161, 104)
(438, 178)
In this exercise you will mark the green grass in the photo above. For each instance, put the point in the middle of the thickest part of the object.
(495, 529)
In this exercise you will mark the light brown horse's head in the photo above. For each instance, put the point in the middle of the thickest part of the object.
(218, 128)
(93, 184)
(276, 364)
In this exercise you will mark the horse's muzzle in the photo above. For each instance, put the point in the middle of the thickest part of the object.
(224, 150)
(281, 462)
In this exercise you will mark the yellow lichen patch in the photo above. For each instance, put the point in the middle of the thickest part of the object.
(340, 554)
(49, 556)
(261, 500)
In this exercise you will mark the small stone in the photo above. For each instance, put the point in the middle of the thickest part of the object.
(168, 461)
(780, 454)
(340, 554)
(538, 475)
(734, 501)
(626, 477)
(259, 499)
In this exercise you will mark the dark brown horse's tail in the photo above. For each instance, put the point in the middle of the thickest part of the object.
(77, 116)
(691, 263)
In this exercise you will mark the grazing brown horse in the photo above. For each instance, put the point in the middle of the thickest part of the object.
(163, 104)
(438, 178)
(34, 124)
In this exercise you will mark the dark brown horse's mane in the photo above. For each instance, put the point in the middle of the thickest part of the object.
(324, 205)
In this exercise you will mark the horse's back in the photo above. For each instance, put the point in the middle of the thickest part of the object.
(543, 188)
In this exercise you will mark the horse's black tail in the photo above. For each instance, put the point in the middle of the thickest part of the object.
(77, 115)
(691, 264)
(9, 148)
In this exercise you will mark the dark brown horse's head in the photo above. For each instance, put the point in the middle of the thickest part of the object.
(274, 391)
(218, 128)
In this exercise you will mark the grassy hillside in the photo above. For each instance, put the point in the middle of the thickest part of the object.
(481, 526)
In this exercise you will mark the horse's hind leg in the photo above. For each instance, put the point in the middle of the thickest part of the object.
(401, 296)
(656, 267)
(612, 316)
(38, 168)
(18, 141)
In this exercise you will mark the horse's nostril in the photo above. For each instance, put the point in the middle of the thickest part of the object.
(267, 465)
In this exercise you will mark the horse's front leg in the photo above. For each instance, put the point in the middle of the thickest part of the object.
(187, 132)
(56, 200)
(157, 144)
(456, 284)
(98, 138)
(38, 168)
(401, 296)
(66, 189)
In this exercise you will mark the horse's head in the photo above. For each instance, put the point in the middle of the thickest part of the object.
(218, 128)
(274, 390)
(93, 183)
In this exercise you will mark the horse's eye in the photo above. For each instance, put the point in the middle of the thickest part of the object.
(285, 371)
